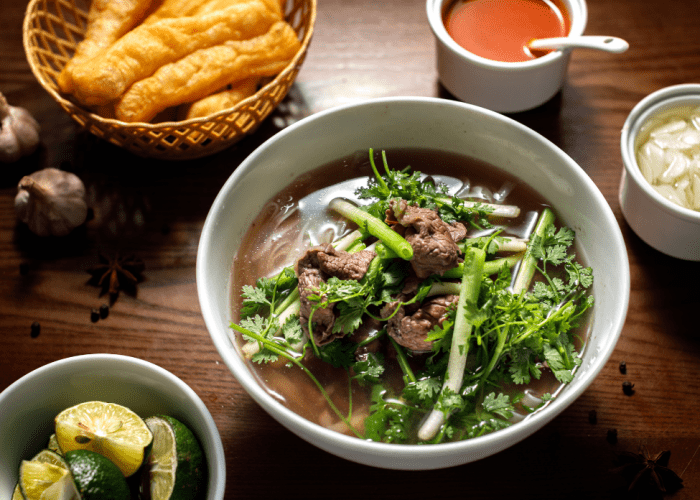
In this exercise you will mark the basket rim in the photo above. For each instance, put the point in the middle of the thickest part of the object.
(74, 108)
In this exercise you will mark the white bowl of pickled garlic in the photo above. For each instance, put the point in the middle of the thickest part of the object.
(660, 186)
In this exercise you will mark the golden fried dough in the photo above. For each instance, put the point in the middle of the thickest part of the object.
(140, 52)
(220, 100)
(208, 70)
(213, 5)
(174, 8)
(107, 21)
(181, 8)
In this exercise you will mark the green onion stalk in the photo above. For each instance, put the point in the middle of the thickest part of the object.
(469, 294)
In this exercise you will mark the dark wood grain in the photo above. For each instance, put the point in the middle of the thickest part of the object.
(361, 49)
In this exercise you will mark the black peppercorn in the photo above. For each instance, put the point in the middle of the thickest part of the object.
(593, 417)
(612, 436)
(623, 367)
(104, 311)
(35, 329)
(628, 388)
(94, 315)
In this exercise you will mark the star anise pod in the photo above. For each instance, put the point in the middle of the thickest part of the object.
(648, 474)
(116, 274)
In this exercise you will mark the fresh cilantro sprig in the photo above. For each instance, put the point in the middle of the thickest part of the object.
(412, 186)
(267, 292)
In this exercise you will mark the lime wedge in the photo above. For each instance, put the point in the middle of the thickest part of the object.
(53, 445)
(109, 429)
(162, 462)
(17, 494)
(176, 463)
(50, 457)
(36, 478)
(96, 476)
(63, 489)
(57, 484)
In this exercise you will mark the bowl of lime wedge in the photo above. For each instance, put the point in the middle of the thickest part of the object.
(103, 426)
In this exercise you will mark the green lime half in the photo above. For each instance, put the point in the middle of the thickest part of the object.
(176, 463)
(96, 476)
(107, 428)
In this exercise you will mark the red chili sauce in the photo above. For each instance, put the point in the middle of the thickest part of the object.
(501, 29)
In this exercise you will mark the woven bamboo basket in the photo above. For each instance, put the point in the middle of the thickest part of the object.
(53, 28)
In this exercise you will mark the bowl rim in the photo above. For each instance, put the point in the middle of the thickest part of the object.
(217, 470)
(667, 97)
(434, 8)
(402, 451)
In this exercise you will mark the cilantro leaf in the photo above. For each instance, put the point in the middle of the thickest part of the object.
(500, 405)
(369, 369)
(339, 353)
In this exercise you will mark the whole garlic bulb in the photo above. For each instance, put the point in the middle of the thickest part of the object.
(51, 202)
(19, 132)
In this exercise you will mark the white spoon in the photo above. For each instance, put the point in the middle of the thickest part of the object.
(606, 43)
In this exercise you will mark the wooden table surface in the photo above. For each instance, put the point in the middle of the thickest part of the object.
(155, 210)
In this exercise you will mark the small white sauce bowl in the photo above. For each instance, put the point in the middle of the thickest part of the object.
(665, 226)
(506, 87)
(29, 406)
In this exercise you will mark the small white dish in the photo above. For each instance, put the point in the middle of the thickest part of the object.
(28, 408)
(506, 87)
(665, 226)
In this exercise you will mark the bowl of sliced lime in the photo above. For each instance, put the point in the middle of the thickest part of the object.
(105, 426)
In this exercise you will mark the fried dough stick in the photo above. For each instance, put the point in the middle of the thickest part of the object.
(180, 8)
(143, 50)
(107, 21)
(223, 99)
(213, 5)
(208, 70)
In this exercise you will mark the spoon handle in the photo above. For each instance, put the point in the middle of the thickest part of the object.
(606, 43)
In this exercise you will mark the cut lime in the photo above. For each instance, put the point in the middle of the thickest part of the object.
(107, 428)
(96, 476)
(46, 475)
(176, 463)
(53, 445)
(17, 494)
(50, 457)
(63, 489)
(39, 480)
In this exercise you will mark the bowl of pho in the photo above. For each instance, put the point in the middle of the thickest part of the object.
(412, 283)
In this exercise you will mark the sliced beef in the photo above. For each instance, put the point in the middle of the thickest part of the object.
(434, 249)
(458, 231)
(344, 265)
(309, 280)
(410, 326)
(316, 266)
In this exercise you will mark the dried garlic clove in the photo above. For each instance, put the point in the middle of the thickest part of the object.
(51, 202)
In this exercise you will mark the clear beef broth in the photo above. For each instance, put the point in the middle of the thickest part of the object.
(281, 232)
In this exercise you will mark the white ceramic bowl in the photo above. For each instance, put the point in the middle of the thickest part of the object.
(419, 123)
(665, 226)
(506, 87)
(29, 405)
